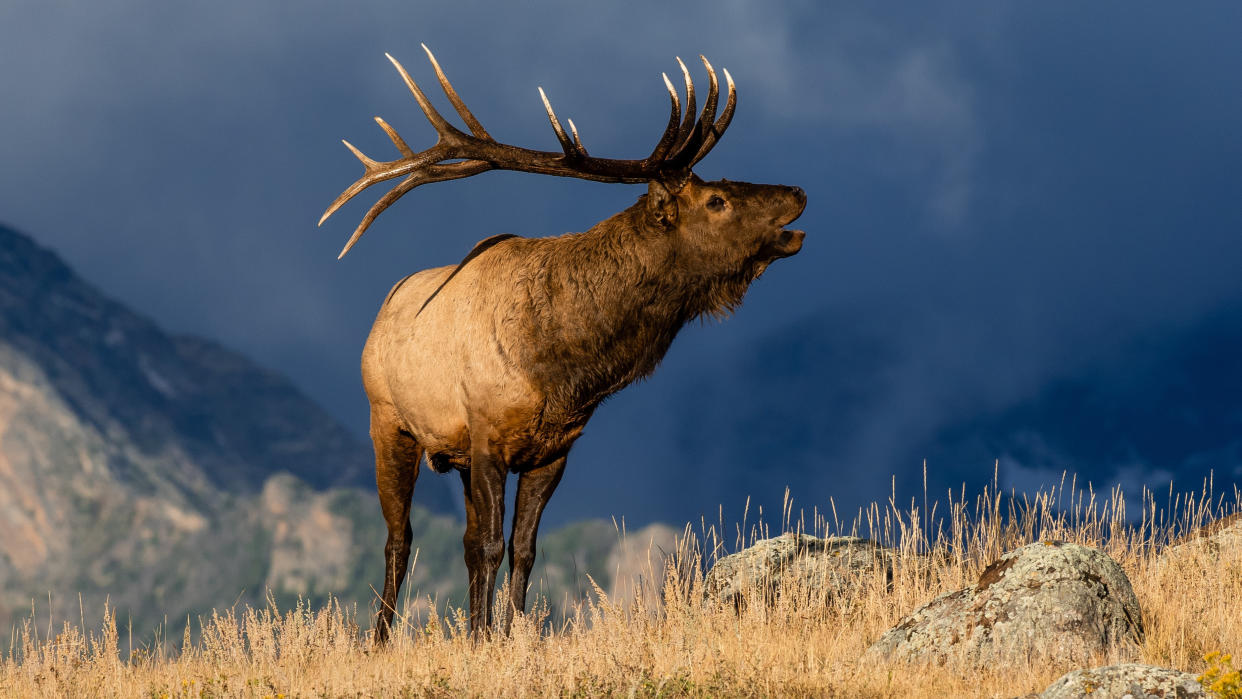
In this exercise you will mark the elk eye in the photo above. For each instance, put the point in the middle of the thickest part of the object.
(716, 203)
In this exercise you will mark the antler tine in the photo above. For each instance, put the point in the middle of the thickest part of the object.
(577, 141)
(713, 94)
(690, 147)
(438, 122)
(377, 172)
(369, 177)
(718, 129)
(378, 207)
(366, 162)
(687, 124)
(566, 144)
(395, 138)
(475, 127)
(435, 173)
(670, 131)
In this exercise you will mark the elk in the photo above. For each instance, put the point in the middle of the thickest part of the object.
(495, 365)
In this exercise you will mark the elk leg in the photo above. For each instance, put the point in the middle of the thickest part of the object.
(396, 468)
(484, 540)
(535, 488)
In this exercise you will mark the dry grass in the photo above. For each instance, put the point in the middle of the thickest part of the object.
(669, 643)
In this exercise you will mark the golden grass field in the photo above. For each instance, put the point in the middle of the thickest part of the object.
(664, 641)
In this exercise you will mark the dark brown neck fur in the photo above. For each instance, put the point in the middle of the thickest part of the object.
(606, 304)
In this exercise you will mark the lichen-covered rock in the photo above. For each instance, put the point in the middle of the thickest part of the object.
(819, 570)
(1222, 537)
(1130, 680)
(1048, 599)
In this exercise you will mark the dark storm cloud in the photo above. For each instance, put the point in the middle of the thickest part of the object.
(998, 194)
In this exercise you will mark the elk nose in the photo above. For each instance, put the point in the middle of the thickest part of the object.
(799, 198)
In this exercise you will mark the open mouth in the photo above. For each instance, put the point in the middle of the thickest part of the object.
(792, 235)
(789, 242)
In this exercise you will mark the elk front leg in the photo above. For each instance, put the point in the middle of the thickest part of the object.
(484, 540)
(535, 488)
(396, 468)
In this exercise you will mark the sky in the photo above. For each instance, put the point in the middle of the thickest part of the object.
(1008, 203)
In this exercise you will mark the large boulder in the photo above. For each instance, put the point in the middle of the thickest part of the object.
(818, 570)
(1128, 680)
(1048, 599)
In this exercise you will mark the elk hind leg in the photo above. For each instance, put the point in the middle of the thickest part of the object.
(396, 468)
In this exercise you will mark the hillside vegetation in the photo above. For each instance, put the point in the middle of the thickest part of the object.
(659, 637)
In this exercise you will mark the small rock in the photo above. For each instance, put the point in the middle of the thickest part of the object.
(1048, 599)
(1130, 680)
(821, 569)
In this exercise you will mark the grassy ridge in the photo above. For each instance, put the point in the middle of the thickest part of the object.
(665, 641)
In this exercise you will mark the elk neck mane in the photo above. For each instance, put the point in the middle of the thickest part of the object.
(604, 305)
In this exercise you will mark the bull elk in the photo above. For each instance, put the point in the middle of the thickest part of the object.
(495, 365)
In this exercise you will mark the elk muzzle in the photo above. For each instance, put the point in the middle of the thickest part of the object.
(787, 242)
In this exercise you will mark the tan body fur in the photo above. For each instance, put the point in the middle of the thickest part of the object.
(520, 338)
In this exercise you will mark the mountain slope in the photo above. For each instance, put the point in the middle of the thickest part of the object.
(121, 374)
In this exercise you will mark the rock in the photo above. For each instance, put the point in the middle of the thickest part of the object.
(637, 562)
(1050, 599)
(1222, 537)
(822, 569)
(1129, 680)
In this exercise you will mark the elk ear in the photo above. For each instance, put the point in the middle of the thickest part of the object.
(661, 205)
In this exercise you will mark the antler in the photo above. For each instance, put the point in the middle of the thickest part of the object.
(685, 142)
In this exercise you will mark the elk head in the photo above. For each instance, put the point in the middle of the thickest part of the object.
(727, 232)
(730, 229)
